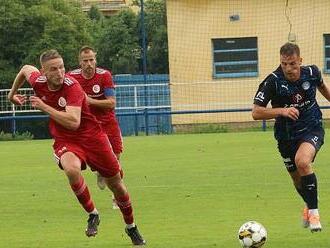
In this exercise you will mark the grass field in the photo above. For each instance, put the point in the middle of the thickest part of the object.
(187, 190)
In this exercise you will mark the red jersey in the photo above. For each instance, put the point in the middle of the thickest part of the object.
(94, 88)
(70, 94)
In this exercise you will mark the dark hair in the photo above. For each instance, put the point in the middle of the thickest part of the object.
(289, 49)
(85, 49)
(48, 55)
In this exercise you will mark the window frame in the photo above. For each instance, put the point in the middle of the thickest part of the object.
(233, 63)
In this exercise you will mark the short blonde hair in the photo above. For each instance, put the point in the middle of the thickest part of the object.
(48, 55)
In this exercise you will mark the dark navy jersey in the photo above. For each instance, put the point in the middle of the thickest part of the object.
(300, 94)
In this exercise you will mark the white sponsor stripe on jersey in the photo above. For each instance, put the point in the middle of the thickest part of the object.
(57, 159)
(310, 70)
(100, 71)
(41, 79)
(274, 74)
(77, 71)
(68, 81)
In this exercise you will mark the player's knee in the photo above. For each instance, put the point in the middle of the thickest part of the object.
(71, 171)
(116, 185)
(71, 165)
(303, 164)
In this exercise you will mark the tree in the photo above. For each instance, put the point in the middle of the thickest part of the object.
(29, 29)
(156, 36)
(94, 13)
(118, 47)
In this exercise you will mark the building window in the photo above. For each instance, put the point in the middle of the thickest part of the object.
(235, 57)
(327, 53)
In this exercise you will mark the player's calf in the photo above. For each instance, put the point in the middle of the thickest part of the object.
(114, 203)
(100, 181)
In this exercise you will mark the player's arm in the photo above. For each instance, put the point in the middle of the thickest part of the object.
(70, 118)
(109, 93)
(266, 92)
(325, 91)
(108, 103)
(22, 75)
(264, 113)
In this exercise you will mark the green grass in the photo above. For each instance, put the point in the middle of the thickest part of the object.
(187, 190)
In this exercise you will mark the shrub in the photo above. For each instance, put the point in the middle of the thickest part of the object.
(17, 136)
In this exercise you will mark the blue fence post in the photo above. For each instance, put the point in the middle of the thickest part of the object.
(146, 119)
(136, 118)
(13, 122)
(136, 125)
(144, 56)
(264, 125)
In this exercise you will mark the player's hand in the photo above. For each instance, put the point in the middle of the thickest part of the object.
(291, 113)
(37, 103)
(18, 99)
(89, 99)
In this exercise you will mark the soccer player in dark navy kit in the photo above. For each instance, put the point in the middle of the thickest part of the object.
(291, 89)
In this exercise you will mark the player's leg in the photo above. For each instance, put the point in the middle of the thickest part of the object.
(288, 151)
(303, 160)
(100, 181)
(121, 195)
(100, 157)
(296, 178)
(114, 202)
(71, 165)
(116, 141)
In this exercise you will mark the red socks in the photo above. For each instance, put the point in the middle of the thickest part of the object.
(82, 193)
(126, 209)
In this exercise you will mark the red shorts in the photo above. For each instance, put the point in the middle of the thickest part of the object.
(115, 137)
(96, 152)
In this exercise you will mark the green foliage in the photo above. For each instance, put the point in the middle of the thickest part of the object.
(94, 13)
(158, 52)
(17, 136)
(28, 27)
(118, 46)
(156, 28)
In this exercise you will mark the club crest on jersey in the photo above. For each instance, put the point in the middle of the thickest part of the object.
(297, 98)
(305, 85)
(96, 88)
(62, 102)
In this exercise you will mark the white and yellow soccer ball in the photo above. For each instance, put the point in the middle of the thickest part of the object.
(252, 235)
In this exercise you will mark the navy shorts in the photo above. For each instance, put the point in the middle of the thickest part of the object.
(288, 148)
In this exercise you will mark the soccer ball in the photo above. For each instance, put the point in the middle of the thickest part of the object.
(252, 235)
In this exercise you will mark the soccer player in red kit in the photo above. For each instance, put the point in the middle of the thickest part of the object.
(79, 139)
(100, 90)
